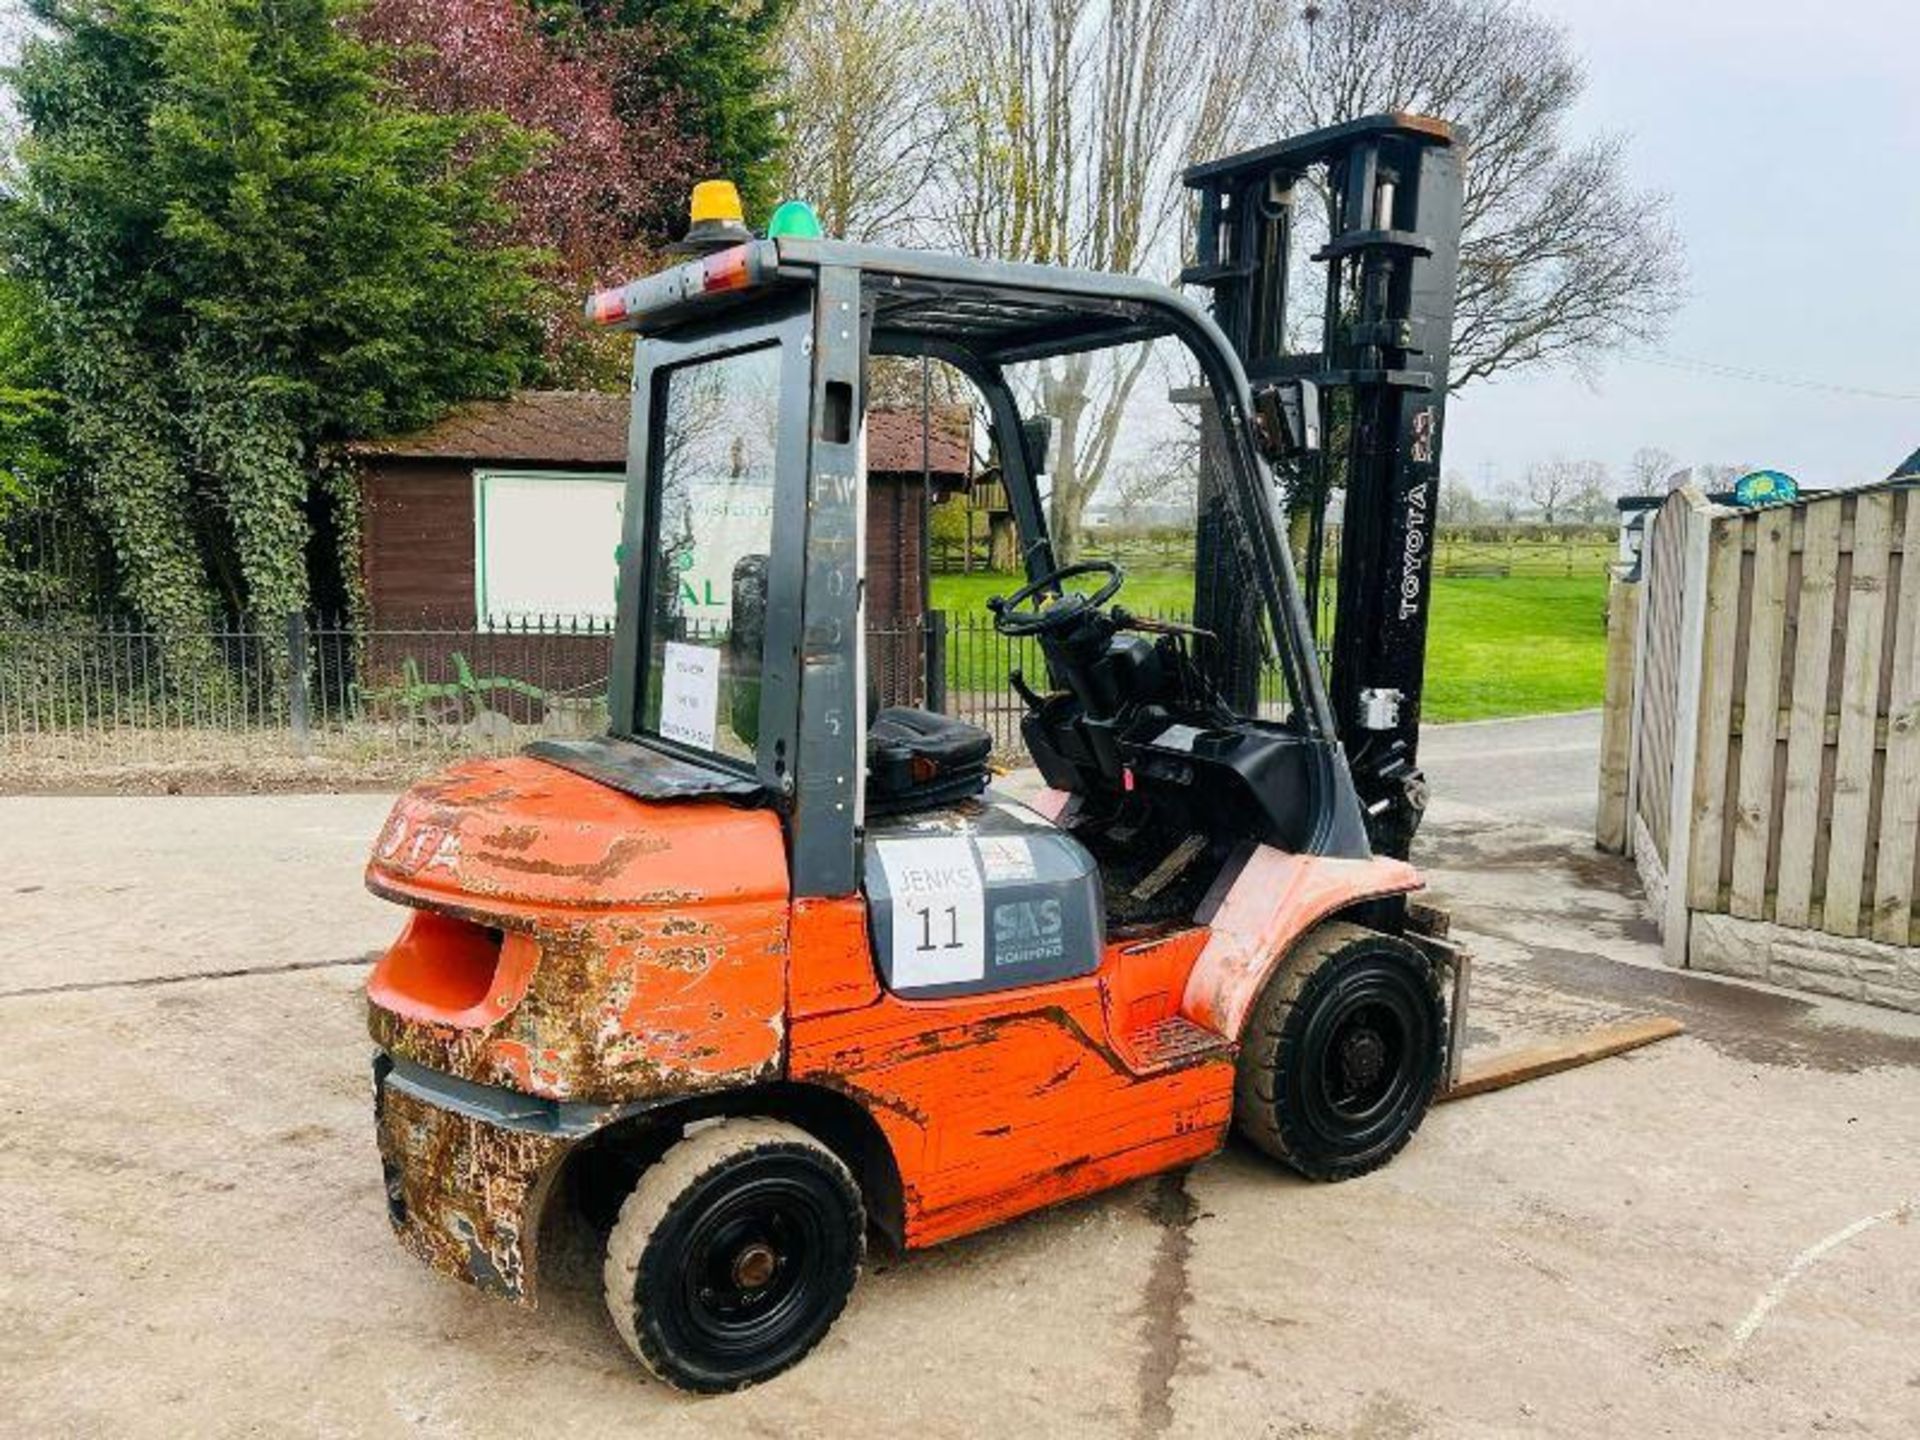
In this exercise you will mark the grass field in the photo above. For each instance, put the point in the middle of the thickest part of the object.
(1523, 645)
(1516, 647)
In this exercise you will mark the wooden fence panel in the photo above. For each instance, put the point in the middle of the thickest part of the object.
(1775, 722)
(1713, 723)
(1665, 571)
(1807, 728)
(1760, 703)
(1859, 705)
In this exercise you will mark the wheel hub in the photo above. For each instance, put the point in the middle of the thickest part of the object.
(1363, 1058)
(755, 1265)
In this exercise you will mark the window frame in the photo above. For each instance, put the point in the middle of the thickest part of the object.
(785, 331)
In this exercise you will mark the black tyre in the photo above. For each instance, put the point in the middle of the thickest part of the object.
(1342, 1053)
(734, 1254)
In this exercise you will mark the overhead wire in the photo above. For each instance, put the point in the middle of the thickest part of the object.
(1761, 377)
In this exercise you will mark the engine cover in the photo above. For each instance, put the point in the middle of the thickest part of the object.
(984, 896)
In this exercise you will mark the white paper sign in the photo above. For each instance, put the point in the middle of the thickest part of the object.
(939, 912)
(690, 694)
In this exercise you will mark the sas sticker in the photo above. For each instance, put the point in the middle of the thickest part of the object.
(1028, 932)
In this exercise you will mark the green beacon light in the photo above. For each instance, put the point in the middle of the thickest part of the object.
(794, 218)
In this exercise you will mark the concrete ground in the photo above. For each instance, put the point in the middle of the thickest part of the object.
(1709, 1237)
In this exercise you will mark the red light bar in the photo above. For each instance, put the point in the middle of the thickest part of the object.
(725, 271)
(733, 268)
(608, 307)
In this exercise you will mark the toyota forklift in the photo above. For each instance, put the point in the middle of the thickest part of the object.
(770, 967)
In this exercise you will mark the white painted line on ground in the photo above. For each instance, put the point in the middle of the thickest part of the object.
(1776, 1292)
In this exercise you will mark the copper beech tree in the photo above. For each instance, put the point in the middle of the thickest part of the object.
(607, 179)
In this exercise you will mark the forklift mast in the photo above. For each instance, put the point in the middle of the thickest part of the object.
(1364, 411)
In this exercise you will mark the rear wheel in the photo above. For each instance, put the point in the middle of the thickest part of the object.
(1342, 1053)
(734, 1254)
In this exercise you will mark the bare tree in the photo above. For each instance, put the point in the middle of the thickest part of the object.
(862, 131)
(1458, 504)
(1649, 470)
(1156, 480)
(1067, 125)
(1593, 495)
(1719, 476)
(1054, 131)
(1562, 258)
(1556, 487)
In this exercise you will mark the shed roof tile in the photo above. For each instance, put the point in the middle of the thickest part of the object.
(581, 427)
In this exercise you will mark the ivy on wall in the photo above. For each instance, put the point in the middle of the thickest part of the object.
(243, 248)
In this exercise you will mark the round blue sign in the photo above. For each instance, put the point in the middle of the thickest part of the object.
(1765, 487)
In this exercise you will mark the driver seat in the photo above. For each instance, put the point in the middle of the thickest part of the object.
(917, 759)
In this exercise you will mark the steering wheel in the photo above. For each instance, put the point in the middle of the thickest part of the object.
(1065, 610)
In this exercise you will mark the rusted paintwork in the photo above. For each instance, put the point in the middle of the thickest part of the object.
(643, 948)
(1275, 900)
(465, 1196)
(995, 1105)
(519, 838)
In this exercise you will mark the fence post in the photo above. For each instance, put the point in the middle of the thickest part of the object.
(1694, 556)
(1612, 823)
(937, 661)
(1637, 691)
(297, 700)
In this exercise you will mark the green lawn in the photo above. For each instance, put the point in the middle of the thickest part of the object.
(1154, 592)
(1518, 646)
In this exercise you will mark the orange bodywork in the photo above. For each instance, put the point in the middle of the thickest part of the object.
(1276, 899)
(998, 1104)
(641, 948)
(572, 943)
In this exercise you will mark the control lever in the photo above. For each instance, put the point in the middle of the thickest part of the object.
(1393, 763)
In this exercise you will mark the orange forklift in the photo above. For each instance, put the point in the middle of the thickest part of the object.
(770, 967)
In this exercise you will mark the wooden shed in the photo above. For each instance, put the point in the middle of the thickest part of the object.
(1761, 751)
(509, 509)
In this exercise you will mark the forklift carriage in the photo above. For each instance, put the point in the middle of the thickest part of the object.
(768, 964)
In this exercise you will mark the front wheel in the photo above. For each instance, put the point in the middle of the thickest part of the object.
(1342, 1053)
(734, 1254)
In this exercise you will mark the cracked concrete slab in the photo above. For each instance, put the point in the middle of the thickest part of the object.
(99, 889)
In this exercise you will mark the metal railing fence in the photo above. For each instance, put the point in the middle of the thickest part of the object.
(99, 693)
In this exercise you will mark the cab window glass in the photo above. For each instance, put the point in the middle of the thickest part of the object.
(712, 534)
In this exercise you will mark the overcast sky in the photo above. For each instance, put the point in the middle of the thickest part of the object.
(1789, 139)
